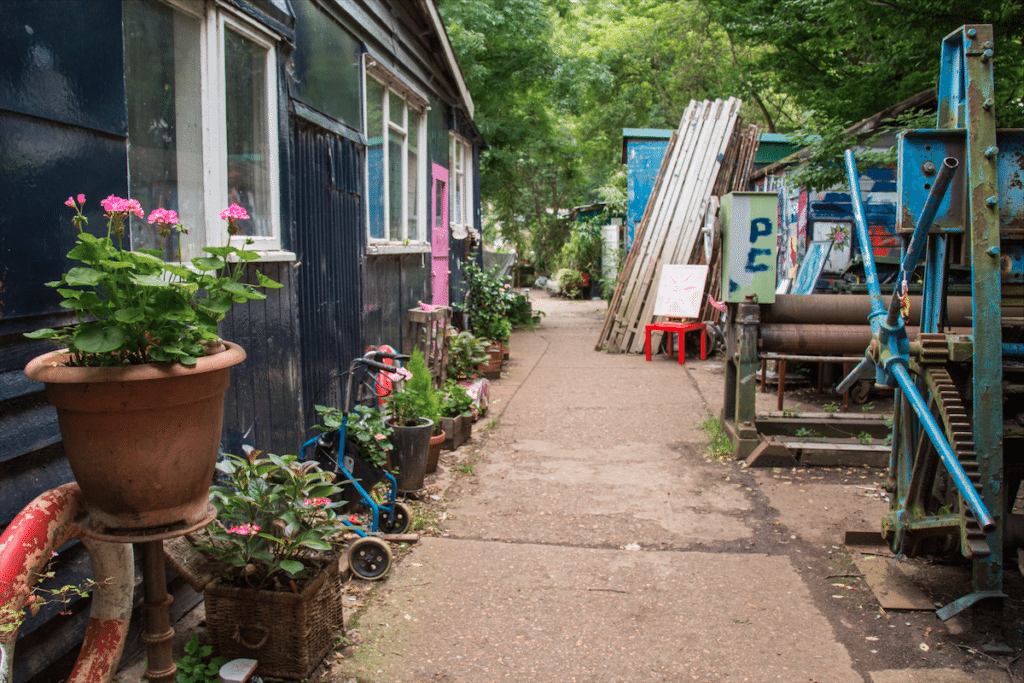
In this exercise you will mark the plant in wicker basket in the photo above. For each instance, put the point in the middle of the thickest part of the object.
(274, 519)
(276, 538)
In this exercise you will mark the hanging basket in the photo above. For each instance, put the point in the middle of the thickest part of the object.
(288, 634)
(141, 440)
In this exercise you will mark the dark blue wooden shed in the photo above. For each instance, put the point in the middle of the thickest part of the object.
(343, 126)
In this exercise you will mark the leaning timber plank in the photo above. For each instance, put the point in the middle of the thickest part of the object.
(679, 197)
(655, 223)
(662, 203)
(625, 278)
(691, 132)
(613, 319)
(631, 257)
(686, 222)
(684, 233)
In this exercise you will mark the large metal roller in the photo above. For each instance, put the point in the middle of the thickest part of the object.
(830, 340)
(851, 309)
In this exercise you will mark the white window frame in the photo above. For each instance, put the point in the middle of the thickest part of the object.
(460, 173)
(413, 105)
(218, 17)
(227, 19)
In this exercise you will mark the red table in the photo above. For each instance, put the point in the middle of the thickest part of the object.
(681, 329)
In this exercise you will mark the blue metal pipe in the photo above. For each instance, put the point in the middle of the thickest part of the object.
(938, 438)
(1014, 350)
(919, 239)
(864, 237)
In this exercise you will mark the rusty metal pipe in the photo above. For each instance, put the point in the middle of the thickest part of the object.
(831, 340)
(851, 309)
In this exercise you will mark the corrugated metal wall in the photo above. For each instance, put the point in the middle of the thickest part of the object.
(328, 207)
(262, 407)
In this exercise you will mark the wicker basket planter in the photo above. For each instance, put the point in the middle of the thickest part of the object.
(288, 634)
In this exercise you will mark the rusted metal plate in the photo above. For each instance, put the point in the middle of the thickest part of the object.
(892, 588)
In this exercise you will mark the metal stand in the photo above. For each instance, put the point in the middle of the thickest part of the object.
(158, 633)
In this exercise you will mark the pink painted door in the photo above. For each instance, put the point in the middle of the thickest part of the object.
(439, 234)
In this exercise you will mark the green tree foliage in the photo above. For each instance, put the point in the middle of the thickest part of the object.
(847, 59)
(556, 81)
(530, 173)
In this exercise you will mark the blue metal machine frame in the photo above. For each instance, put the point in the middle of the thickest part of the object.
(961, 200)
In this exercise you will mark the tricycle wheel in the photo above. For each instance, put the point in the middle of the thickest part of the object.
(401, 522)
(369, 558)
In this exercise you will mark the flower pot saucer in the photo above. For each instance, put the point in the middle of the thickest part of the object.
(99, 531)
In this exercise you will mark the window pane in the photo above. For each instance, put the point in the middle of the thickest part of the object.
(248, 140)
(326, 64)
(375, 188)
(413, 173)
(397, 109)
(395, 176)
(165, 137)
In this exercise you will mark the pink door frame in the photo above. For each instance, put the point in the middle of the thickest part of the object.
(439, 235)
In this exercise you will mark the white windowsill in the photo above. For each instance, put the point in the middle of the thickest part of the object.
(269, 256)
(385, 248)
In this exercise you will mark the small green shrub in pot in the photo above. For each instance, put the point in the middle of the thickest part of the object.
(365, 429)
(486, 305)
(415, 397)
(571, 282)
(457, 400)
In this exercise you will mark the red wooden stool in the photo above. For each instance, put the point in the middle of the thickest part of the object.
(680, 328)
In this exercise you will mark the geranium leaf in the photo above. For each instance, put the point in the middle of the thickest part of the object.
(129, 315)
(267, 282)
(207, 263)
(97, 338)
(83, 277)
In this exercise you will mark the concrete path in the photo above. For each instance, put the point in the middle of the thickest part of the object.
(596, 540)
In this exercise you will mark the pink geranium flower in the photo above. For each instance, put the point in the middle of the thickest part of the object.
(163, 217)
(244, 529)
(316, 502)
(399, 375)
(235, 212)
(232, 215)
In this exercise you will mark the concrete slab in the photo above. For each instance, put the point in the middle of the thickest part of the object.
(939, 676)
(527, 612)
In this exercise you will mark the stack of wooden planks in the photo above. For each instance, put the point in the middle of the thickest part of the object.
(670, 229)
(734, 176)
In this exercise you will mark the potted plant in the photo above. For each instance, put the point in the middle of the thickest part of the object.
(139, 387)
(276, 540)
(486, 310)
(456, 414)
(465, 354)
(413, 408)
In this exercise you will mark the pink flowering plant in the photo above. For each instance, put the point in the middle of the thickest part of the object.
(276, 517)
(132, 306)
(365, 430)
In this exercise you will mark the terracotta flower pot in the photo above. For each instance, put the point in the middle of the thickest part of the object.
(492, 369)
(434, 452)
(142, 440)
